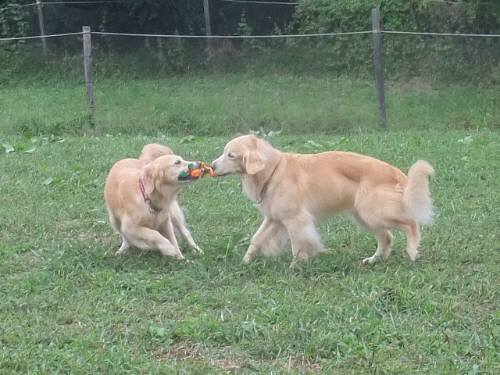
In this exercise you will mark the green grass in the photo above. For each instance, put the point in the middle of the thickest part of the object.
(228, 103)
(68, 305)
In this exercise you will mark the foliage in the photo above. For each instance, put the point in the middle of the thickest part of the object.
(13, 22)
(406, 56)
(404, 15)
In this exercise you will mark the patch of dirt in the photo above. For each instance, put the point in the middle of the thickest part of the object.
(179, 351)
(121, 328)
(227, 364)
(303, 365)
(414, 84)
(185, 351)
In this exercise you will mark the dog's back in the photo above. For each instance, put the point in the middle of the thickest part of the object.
(118, 182)
(153, 151)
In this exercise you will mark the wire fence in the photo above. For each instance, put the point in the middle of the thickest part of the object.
(393, 60)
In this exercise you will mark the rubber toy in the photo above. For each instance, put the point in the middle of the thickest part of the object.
(197, 170)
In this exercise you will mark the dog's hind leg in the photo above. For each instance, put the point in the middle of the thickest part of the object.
(149, 239)
(116, 224)
(377, 217)
(412, 231)
(384, 242)
(124, 246)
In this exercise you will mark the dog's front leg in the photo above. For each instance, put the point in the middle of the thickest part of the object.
(306, 241)
(179, 223)
(270, 236)
(255, 242)
(168, 232)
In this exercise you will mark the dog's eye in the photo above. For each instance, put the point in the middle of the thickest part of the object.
(230, 155)
(177, 162)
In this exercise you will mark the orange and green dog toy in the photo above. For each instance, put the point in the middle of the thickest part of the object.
(197, 170)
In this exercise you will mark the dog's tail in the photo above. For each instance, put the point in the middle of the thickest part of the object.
(417, 197)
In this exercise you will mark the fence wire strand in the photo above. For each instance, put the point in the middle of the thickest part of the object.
(231, 36)
(103, 33)
(62, 2)
(438, 34)
(260, 2)
(40, 36)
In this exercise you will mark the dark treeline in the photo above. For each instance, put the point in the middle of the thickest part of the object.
(454, 58)
(228, 18)
(145, 16)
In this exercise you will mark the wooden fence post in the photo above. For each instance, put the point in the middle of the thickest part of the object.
(378, 63)
(87, 69)
(41, 24)
(208, 27)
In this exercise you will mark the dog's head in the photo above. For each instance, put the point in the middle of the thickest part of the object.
(167, 170)
(153, 151)
(247, 154)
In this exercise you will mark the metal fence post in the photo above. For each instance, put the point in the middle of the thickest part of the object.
(41, 24)
(87, 68)
(378, 63)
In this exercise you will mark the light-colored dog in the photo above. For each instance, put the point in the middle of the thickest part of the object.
(141, 198)
(293, 190)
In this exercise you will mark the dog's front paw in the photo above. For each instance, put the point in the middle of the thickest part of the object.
(198, 250)
(414, 255)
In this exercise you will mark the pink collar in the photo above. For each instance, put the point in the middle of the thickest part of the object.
(143, 191)
(147, 200)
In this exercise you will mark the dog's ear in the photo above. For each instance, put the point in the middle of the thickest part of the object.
(149, 178)
(253, 161)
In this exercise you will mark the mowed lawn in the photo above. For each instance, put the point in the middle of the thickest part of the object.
(224, 104)
(68, 305)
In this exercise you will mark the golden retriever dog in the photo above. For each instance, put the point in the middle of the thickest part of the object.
(141, 198)
(294, 190)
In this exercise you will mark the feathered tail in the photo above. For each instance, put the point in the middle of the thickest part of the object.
(417, 196)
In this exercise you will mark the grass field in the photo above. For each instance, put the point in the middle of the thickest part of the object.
(68, 305)
(224, 104)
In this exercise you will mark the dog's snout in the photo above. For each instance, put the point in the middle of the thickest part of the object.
(214, 165)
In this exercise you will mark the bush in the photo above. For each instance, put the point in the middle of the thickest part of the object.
(434, 57)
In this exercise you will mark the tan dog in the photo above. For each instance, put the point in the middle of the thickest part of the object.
(141, 198)
(293, 190)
